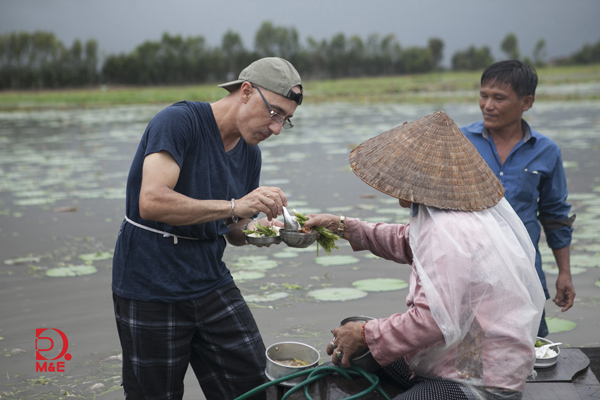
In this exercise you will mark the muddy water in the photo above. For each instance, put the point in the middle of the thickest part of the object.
(62, 176)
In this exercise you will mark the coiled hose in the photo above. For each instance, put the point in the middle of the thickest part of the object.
(317, 373)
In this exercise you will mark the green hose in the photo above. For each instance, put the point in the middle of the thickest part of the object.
(314, 374)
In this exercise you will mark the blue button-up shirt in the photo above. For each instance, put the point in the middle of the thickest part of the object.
(534, 184)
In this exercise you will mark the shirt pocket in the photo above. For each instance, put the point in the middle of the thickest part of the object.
(528, 186)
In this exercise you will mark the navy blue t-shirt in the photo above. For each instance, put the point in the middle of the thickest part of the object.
(150, 267)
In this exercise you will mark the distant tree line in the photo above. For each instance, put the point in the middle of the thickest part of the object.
(39, 60)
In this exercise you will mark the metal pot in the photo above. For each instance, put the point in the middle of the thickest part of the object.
(287, 351)
(364, 359)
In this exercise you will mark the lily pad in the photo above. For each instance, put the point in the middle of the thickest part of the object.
(265, 298)
(101, 255)
(586, 260)
(380, 284)
(337, 294)
(76, 270)
(246, 275)
(286, 254)
(255, 263)
(336, 260)
(556, 325)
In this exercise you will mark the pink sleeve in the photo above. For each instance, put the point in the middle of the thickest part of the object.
(389, 241)
(400, 334)
(403, 334)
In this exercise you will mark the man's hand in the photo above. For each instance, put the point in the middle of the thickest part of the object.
(269, 200)
(565, 292)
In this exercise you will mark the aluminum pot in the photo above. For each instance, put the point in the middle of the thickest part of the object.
(364, 359)
(547, 362)
(287, 351)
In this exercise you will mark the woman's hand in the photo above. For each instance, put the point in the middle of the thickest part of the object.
(346, 342)
(329, 221)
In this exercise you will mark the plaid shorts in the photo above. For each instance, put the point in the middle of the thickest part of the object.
(216, 334)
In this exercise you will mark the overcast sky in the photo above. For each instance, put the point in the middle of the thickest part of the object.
(120, 25)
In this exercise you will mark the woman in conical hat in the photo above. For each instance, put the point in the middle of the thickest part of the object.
(474, 300)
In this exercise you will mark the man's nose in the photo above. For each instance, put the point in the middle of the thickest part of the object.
(275, 128)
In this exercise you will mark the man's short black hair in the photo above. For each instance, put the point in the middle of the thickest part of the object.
(521, 77)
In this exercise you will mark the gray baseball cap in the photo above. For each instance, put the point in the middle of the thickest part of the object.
(272, 73)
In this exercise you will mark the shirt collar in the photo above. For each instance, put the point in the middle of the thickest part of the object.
(524, 126)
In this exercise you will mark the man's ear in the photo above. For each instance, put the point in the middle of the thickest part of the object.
(246, 91)
(527, 102)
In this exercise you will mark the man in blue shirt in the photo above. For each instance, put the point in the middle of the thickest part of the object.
(192, 187)
(529, 165)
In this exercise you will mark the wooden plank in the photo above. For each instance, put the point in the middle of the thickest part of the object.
(551, 391)
(570, 364)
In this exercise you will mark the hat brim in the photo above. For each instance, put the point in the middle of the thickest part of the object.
(232, 86)
(428, 161)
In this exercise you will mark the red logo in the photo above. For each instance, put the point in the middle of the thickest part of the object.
(48, 351)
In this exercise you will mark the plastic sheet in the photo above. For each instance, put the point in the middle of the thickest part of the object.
(477, 270)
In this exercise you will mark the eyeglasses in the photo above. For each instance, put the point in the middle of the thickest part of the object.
(278, 119)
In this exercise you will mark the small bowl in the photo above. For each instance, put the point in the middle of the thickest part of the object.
(364, 359)
(286, 351)
(298, 239)
(263, 240)
(547, 362)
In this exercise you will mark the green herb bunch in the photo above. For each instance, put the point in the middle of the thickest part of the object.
(266, 231)
(326, 237)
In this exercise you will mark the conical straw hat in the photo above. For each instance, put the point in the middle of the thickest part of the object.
(428, 161)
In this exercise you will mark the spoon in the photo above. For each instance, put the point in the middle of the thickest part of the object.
(547, 345)
(540, 352)
(289, 222)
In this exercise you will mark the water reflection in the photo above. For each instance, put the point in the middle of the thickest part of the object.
(78, 160)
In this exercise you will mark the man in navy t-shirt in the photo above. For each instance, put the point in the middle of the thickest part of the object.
(193, 186)
(529, 165)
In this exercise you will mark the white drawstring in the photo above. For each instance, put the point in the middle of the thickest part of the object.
(163, 233)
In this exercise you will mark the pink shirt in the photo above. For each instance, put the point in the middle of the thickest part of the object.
(504, 366)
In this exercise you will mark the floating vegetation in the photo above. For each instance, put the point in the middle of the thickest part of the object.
(246, 275)
(586, 260)
(394, 211)
(252, 298)
(292, 286)
(286, 254)
(337, 294)
(336, 260)
(98, 256)
(556, 325)
(255, 263)
(553, 269)
(380, 284)
(70, 271)
(23, 260)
